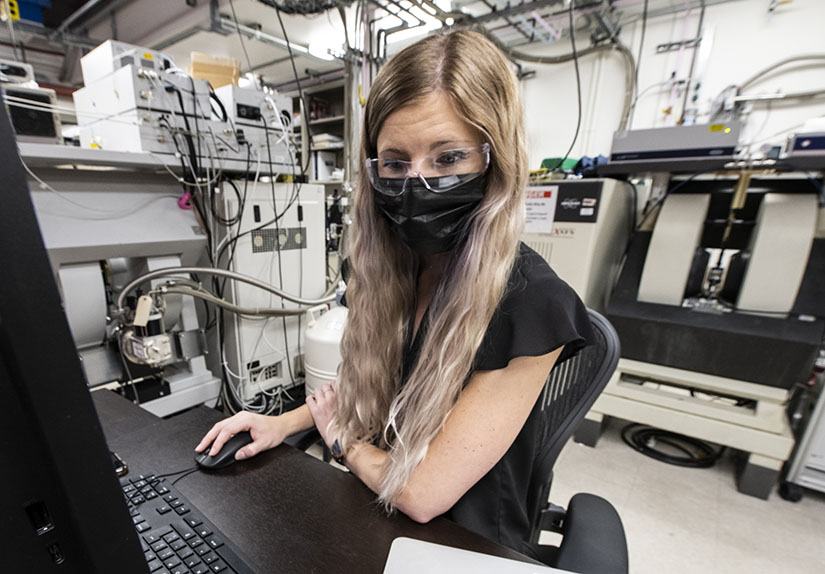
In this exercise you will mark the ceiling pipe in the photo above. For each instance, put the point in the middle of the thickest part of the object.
(76, 16)
(229, 25)
(66, 38)
(35, 50)
(181, 36)
(100, 15)
(309, 81)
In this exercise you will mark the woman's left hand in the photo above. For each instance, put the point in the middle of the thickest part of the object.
(322, 406)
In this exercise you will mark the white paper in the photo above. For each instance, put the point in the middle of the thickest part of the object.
(541, 208)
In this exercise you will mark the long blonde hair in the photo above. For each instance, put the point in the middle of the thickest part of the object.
(381, 290)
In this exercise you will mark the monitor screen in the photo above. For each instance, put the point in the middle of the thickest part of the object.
(61, 507)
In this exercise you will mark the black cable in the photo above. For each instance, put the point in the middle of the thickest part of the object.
(209, 321)
(635, 206)
(304, 117)
(193, 186)
(188, 187)
(641, 47)
(199, 208)
(296, 190)
(131, 380)
(780, 314)
(220, 287)
(193, 158)
(219, 218)
(650, 209)
(190, 469)
(241, 208)
(820, 192)
(240, 36)
(697, 453)
(194, 163)
(233, 243)
(195, 115)
(559, 166)
(278, 246)
(181, 477)
(277, 217)
(692, 63)
(227, 397)
(213, 97)
(163, 121)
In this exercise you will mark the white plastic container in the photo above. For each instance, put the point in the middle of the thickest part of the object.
(322, 348)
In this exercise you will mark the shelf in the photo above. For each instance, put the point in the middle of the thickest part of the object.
(327, 181)
(329, 120)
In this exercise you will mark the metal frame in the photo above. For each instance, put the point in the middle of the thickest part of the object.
(762, 431)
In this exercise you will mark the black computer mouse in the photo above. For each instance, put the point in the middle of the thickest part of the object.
(226, 455)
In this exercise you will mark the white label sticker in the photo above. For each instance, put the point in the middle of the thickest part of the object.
(138, 350)
(541, 209)
(144, 308)
(586, 211)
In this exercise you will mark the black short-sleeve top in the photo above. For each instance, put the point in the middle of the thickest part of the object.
(537, 314)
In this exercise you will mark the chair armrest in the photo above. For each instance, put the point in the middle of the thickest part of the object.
(594, 540)
(552, 517)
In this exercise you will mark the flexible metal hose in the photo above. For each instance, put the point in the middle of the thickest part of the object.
(260, 311)
(780, 63)
(172, 271)
(630, 69)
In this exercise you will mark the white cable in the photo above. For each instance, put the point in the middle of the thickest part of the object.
(179, 179)
(155, 79)
(229, 237)
(273, 347)
(30, 105)
(105, 214)
(246, 405)
(776, 134)
(233, 374)
(12, 101)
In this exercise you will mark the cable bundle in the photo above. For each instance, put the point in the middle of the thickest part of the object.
(305, 7)
(646, 440)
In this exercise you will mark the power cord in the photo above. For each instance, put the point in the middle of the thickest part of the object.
(641, 46)
(651, 208)
(240, 36)
(278, 249)
(645, 439)
(184, 475)
(187, 470)
(559, 166)
(304, 118)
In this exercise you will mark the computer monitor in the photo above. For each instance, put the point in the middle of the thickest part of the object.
(61, 507)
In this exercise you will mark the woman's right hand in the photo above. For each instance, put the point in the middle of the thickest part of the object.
(267, 432)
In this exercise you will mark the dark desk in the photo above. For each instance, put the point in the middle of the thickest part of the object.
(286, 510)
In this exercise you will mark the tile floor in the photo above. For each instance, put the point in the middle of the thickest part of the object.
(690, 521)
(684, 521)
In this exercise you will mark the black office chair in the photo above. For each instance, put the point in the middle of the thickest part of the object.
(593, 537)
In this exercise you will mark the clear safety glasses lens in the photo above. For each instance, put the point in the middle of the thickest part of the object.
(439, 172)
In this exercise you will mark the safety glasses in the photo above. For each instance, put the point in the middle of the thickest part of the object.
(439, 172)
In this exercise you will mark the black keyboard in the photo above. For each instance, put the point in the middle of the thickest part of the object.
(176, 538)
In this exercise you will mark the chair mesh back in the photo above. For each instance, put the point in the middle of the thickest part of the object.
(571, 389)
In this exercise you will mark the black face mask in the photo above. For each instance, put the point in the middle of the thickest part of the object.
(430, 222)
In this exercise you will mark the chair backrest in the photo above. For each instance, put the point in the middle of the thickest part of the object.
(571, 389)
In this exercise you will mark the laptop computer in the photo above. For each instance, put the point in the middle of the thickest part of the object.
(409, 556)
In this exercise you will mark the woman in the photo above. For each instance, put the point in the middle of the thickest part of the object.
(453, 325)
